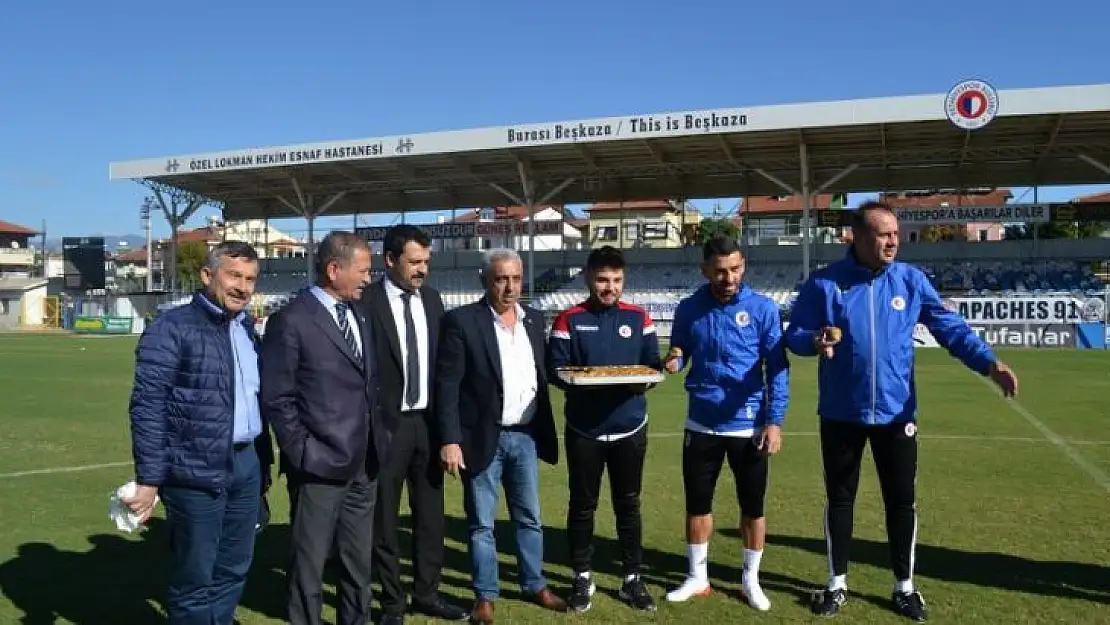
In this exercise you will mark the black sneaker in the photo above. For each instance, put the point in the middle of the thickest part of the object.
(827, 602)
(910, 605)
(581, 593)
(635, 593)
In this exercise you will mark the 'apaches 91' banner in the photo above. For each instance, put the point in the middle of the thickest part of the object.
(1028, 310)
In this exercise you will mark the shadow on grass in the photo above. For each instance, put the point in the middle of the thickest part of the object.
(1066, 580)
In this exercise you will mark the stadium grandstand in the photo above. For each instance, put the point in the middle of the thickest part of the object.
(785, 175)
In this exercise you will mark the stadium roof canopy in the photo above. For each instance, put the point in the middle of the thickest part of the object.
(1043, 136)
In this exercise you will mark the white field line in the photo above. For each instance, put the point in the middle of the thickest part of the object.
(939, 437)
(71, 469)
(1071, 452)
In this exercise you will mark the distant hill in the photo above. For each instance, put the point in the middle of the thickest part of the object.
(111, 242)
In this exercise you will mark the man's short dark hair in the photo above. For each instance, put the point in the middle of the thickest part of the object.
(858, 218)
(605, 257)
(338, 246)
(397, 237)
(720, 245)
(229, 249)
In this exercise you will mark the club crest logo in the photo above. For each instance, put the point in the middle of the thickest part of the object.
(743, 319)
(911, 429)
(898, 303)
(625, 331)
(971, 104)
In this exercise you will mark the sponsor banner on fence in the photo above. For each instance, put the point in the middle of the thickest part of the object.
(1003, 213)
(102, 325)
(472, 229)
(1027, 335)
(1026, 310)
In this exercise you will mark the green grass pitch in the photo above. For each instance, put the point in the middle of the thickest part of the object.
(1013, 504)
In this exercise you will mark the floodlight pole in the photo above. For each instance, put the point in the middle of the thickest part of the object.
(144, 216)
(307, 207)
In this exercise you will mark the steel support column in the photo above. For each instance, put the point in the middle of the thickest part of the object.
(529, 202)
(1097, 164)
(308, 207)
(806, 193)
(177, 211)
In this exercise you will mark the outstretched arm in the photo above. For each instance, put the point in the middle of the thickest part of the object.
(953, 333)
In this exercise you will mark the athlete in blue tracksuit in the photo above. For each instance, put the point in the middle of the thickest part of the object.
(738, 388)
(867, 391)
(606, 427)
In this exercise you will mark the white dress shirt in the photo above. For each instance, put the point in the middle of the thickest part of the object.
(329, 303)
(420, 320)
(518, 370)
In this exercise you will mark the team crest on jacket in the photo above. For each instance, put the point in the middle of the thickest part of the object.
(743, 319)
(911, 429)
(625, 331)
(898, 303)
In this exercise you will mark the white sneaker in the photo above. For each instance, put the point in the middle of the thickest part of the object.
(689, 589)
(754, 594)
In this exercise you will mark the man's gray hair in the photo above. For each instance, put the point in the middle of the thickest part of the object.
(229, 249)
(496, 255)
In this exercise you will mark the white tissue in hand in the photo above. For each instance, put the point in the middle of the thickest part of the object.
(124, 518)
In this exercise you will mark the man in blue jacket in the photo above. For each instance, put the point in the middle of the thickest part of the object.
(738, 388)
(199, 439)
(858, 314)
(606, 426)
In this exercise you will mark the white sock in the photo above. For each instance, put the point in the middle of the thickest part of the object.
(751, 563)
(584, 575)
(904, 585)
(838, 582)
(629, 578)
(699, 560)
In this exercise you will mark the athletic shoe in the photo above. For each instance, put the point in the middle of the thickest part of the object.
(689, 589)
(910, 605)
(827, 602)
(635, 593)
(754, 594)
(581, 593)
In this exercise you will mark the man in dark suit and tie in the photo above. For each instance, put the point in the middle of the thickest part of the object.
(405, 316)
(318, 392)
(496, 423)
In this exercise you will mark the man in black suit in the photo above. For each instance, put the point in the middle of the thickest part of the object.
(496, 423)
(318, 392)
(405, 316)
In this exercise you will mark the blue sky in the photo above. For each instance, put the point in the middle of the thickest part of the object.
(86, 83)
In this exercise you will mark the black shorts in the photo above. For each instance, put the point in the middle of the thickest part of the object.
(703, 455)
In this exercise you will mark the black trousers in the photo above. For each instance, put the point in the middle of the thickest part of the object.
(587, 459)
(411, 460)
(326, 514)
(894, 448)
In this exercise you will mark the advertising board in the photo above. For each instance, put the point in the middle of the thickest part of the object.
(1047, 310)
(102, 325)
(1027, 335)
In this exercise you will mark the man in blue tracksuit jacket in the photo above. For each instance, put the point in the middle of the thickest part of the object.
(738, 388)
(859, 314)
(605, 426)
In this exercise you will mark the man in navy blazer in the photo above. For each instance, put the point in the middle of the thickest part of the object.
(495, 421)
(318, 393)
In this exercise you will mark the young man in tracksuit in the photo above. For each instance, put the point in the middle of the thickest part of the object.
(606, 426)
(738, 388)
(858, 314)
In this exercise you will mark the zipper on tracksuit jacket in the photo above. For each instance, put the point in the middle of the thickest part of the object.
(874, 349)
